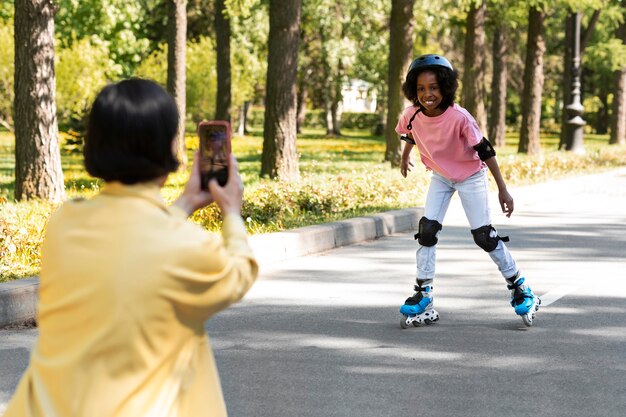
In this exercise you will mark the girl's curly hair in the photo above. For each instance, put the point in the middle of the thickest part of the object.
(446, 78)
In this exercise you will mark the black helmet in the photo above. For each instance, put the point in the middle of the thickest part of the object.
(428, 61)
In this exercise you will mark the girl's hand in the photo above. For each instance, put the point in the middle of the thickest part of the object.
(229, 198)
(405, 165)
(506, 202)
(194, 197)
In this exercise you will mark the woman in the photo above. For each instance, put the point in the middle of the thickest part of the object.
(127, 282)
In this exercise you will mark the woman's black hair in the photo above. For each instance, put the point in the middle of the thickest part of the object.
(132, 126)
(446, 78)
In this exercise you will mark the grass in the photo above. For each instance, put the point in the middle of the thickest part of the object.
(340, 178)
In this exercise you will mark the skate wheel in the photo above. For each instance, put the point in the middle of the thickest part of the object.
(527, 319)
(429, 322)
(415, 324)
(403, 321)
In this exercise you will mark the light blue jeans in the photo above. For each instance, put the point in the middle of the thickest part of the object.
(475, 200)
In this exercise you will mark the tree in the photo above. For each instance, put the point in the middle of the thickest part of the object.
(474, 72)
(533, 83)
(280, 159)
(222, 47)
(176, 77)
(497, 112)
(400, 51)
(38, 172)
(618, 115)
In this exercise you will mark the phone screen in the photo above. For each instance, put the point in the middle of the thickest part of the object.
(214, 151)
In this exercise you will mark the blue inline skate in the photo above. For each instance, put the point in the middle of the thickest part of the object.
(418, 309)
(523, 300)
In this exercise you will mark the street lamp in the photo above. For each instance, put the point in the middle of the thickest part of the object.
(575, 123)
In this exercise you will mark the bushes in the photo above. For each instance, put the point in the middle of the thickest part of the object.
(81, 71)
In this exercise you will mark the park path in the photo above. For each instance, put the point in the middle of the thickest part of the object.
(319, 335)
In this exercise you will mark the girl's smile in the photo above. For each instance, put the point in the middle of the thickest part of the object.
(428, 93)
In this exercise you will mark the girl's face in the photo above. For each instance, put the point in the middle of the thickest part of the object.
(428, 93)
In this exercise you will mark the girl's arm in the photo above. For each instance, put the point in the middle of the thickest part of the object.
(406, 163)
(505, 199)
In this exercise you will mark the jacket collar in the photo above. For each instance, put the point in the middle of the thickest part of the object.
(148, 191)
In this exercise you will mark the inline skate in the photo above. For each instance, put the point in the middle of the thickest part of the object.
(418, 309)
(523, 300)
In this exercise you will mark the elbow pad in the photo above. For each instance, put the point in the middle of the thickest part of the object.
(485, 150)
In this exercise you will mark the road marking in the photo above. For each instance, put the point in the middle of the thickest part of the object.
(556, 294)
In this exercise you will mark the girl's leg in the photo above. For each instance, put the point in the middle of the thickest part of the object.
(438, 198)
(475, 199)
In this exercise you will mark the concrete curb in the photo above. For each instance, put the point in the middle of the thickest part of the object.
(18, 299)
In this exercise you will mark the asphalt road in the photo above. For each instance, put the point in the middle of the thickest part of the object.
(319, 336)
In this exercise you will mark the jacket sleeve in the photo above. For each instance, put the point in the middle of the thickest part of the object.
(212, 272)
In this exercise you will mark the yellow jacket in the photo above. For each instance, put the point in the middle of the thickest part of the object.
(126, 286)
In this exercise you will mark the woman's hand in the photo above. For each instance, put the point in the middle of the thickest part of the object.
(229, 198)
(194, 197)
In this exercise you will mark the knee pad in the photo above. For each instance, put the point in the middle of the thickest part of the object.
(428, 231)
(487, 238)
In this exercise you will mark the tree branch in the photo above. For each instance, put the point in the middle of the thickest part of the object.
(584, 38)
(6, 125)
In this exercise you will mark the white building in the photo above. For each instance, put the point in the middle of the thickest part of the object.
(358, 97)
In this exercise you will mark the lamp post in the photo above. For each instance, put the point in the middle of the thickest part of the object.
(575, 123)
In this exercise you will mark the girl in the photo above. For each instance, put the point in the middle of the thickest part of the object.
(452, 146)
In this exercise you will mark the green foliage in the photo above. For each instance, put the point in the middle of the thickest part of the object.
(608, 56)
(6, 73)
(81, 71)
(6, 9)
(201, 75)
(361, 121)
(154, 66)
(119, 24)
(201, 79)
(249, 34)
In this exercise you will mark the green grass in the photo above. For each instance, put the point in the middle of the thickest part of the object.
(340, 178)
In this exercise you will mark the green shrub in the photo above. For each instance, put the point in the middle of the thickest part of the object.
(360, 121)
(81, 72)
(201, 77)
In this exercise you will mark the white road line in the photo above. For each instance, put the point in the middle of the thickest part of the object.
(556, 294)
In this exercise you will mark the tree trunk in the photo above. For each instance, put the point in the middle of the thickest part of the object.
(243, 118)
(533, 84)
(280, 159)
(302, 98)
(400, 51)
(336, 105)
(222, 46)
(497, 113)
(176, 77)
(38, 172)
(328, 113)
(602, 115)
(474, 72)
(618, 113)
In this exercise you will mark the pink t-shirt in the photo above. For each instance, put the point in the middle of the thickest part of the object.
(445, 142)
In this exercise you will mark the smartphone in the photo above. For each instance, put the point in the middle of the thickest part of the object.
(214, 151)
